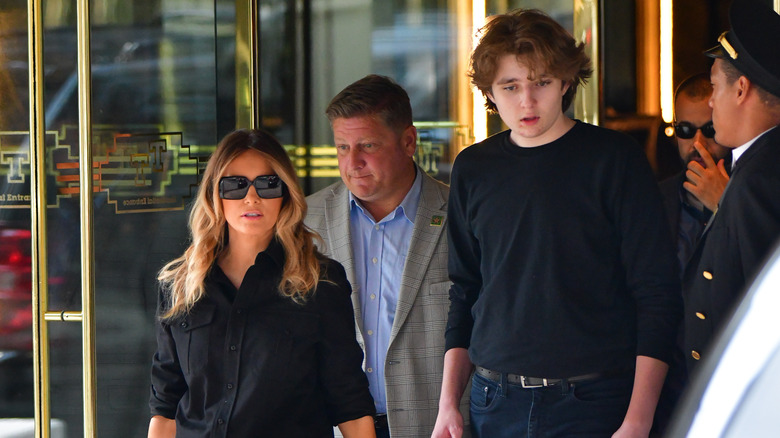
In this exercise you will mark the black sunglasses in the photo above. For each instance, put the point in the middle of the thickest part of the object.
(688, 130)
(236, 187)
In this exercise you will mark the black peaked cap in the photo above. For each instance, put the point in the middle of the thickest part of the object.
(753, 43)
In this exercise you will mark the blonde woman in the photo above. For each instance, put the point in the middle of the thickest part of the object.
(256, 334)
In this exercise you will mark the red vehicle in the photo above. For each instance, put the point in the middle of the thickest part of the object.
(15, 297)
(15, 322)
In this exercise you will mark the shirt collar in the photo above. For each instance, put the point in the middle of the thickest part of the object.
(407, 207)
(274, 253)
(736, 153)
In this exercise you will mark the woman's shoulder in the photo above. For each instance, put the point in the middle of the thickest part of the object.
(331, 270)
(333, 280)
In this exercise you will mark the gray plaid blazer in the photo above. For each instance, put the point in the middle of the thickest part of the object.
(415, 357)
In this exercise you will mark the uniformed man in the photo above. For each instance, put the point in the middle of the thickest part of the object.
(745, 112)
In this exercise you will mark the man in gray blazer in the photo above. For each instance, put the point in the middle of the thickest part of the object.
(385, 222)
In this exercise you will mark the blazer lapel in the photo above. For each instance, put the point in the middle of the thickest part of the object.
(340, 238)
(428, 227)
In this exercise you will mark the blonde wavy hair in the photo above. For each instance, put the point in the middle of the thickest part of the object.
(183, 278)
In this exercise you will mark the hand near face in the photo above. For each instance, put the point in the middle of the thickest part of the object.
(707, 182)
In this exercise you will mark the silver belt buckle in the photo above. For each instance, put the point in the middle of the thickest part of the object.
(527, 386)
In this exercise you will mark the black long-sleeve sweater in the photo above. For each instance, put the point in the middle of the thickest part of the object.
(560, 256)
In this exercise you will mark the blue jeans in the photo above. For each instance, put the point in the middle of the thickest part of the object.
(594, 408)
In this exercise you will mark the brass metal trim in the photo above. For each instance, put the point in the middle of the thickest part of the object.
(63, 316)
(39, 291)
(88, 361)
(727, 45)
(587, 102)
(247, 65)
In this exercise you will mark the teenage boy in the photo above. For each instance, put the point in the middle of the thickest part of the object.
(565, 296)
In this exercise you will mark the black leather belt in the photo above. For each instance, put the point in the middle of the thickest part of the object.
(534, 382)
(380, 421)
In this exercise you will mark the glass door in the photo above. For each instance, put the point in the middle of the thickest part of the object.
(309, 51)
(163, 88)
(166, 79)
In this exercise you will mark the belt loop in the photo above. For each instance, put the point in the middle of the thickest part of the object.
(564, 386)
(503, 385)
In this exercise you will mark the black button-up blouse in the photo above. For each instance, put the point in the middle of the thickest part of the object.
(251, 362)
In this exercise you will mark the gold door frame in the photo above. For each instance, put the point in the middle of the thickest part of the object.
(39, 291)
(247, 93)
(247, 65)
(587, 101)
(41, 313)
(247, 114)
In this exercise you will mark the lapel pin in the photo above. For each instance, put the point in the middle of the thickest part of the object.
(436, 221)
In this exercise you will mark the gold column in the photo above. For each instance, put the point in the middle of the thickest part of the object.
(247, 65)
(666, 61)
(463, 112)
(470, 110)
(586, 29)
(38, 220)
(648, 58)
(85, 192)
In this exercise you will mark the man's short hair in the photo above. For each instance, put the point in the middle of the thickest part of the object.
(746, 49)
(696, 87)
(373, 96)
(732, 73)
(537, 40)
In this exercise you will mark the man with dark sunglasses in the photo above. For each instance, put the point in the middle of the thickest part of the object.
(692, 195)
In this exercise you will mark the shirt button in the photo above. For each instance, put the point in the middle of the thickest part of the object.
(374, 260)
(370, 370)
(370, 332)
(376, 227)
(184, 325)
(695, 354)
(700, 315)
(238, 311)
(229, 386)
(373, 297)
(220, 421)
(707, 275)
(232, 348)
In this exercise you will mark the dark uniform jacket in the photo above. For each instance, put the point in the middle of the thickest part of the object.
(733, 248)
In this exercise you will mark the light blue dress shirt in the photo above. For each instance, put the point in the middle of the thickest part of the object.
(380, 250)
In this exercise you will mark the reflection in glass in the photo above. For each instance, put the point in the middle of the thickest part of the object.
(163, 92)
(413, 42)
